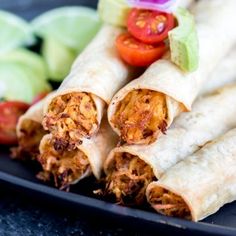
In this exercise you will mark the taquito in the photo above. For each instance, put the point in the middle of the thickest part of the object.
(141, 111)
(224, 73)
(130, 168)
(68, 166)
(29, 132)
(76, 110)
(199, 185)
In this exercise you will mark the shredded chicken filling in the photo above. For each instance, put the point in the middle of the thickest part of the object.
(169, 204)
(66, 167)
(71, 117)
(31, 133)
(140, 115)
(128, 179)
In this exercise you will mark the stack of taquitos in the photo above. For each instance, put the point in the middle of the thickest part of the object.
(74, 113)
(130, 168)
(146, 107)
(68, 166)
(65, 166)
(199, 185)
(98, 73)
(77, 146)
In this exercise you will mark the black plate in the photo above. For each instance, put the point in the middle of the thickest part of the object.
(22, 176)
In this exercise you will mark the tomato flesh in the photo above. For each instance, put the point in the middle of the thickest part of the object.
(137, 53)
(150, 26)
(9, 115)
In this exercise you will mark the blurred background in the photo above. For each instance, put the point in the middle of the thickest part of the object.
(24, 7)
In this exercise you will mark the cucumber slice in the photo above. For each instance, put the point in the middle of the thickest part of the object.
(18, 82)
(73, 26)
(114, 12)
(59, 58)
(184, 42)
(28, 58)
(14, 32)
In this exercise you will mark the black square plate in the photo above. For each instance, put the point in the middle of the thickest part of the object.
(22, 176)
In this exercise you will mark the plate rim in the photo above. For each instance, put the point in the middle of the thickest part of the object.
(116, 210)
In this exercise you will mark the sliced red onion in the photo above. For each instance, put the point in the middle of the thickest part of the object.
(160, 5)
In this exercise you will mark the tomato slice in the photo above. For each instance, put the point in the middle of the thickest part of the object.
(137, 53)
(9, 115)
(150, 26)
(39, 97)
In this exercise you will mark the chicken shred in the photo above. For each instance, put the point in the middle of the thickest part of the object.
(71, 117)
(140, 115)
(31, 133)
(169, 204)
(66, 167)
(128, 179)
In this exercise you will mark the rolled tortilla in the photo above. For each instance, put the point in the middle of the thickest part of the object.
(224, 74)
(68, 166)
(143, 110)
(76, 110)
(211, 116)
(29, 131)
(199, 185)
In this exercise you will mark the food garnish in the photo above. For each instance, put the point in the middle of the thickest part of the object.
(114, 11)
(137, 53)
(159, 5)
(9, 115)
(184, 41)
(14, 32)
(58, 57)
(150, 26)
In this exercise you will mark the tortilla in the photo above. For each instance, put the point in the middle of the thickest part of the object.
(199, 185)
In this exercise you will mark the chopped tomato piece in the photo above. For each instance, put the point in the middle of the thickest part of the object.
(137, 53)
(150, 26)
(9, 115)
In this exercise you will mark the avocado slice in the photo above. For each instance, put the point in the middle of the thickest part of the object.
(114, 12)
(184, 45)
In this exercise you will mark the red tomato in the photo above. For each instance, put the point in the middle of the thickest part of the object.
(9, 115)
(39, 97)
(137, 53)
(150, 26)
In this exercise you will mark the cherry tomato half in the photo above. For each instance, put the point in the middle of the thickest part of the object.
(137, 53)
(39, 97)
(150, 26)
(9, 114)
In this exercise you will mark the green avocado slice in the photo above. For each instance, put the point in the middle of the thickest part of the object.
(114, 12)
(184, 44)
